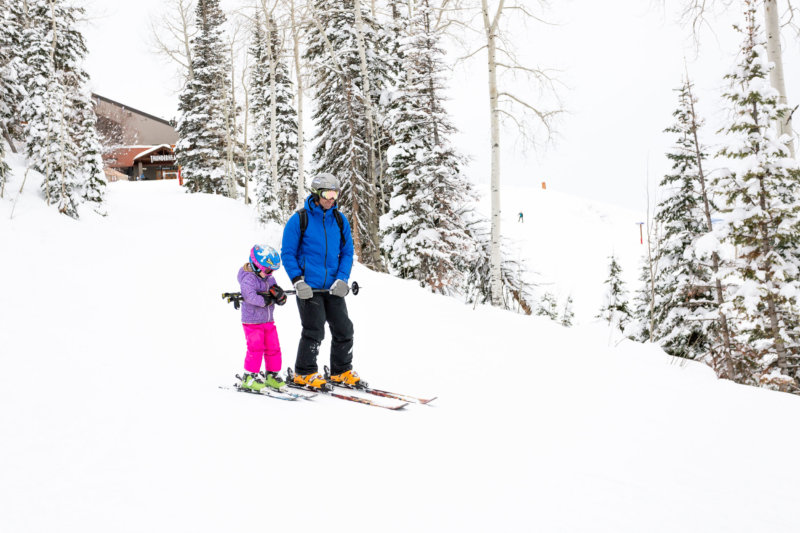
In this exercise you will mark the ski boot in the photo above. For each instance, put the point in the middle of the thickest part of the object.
(274, 381)
(348, 379)
(252, 382)
(313, 381)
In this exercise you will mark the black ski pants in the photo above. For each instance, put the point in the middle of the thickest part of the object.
(314, 312)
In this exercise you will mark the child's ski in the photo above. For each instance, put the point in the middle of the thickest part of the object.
(266, 391)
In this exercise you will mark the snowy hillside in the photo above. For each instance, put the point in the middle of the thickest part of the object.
(568, 241)
(114, 339)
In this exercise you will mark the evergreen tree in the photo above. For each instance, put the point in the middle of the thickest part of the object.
(346, 133)
(57, 111)
(11, 90)
(88, 142)
(615, 307)
(567, 314)
(684, 297)
(276, 196)
(424, 234)
(548, 306)
(205, 103)
(762, 215)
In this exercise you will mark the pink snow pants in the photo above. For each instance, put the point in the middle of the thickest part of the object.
(262, 343)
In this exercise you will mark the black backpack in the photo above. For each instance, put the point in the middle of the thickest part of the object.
(304, 223)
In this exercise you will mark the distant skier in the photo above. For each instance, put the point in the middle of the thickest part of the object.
(257, 319)
(317, 252)
(520, 217)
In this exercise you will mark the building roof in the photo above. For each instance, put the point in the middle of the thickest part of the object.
(129, 108)
(154, 149)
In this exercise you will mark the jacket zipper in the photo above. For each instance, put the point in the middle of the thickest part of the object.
(325, 261)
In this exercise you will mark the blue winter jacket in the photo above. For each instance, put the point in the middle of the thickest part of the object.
(322, 257)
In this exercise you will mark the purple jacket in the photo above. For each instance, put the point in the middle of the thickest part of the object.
(254, 308)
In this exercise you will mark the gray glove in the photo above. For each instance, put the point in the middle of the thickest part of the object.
(304, 291)
(339, 288)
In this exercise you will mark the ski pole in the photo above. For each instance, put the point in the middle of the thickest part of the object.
(354, 287)
(236, 297)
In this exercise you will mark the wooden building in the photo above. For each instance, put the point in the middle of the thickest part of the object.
(136, 144)
(143, 162)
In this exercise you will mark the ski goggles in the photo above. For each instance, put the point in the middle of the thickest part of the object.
(256, 268)
(329, 194)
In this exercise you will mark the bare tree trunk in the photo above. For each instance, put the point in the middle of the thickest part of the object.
(178, 48)
(246, 147)
(50, 107)
(652, 267)
(301, 179)
(775, 55)
(230, 125)
(9, 140)
(273, 106)
(495, 267)
(186, 18)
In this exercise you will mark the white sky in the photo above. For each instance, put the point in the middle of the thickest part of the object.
(620, 61)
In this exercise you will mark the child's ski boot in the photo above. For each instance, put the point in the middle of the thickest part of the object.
(274, 381)
(252, 382)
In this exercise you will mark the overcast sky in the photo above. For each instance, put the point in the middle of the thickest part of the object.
(620, 62)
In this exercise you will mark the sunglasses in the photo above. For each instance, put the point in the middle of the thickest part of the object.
(329, 194)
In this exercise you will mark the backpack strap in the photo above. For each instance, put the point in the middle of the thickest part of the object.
(338, 216)
(304, 223)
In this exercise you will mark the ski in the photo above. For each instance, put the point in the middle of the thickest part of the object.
(263, 392)
(378, 392)
(347, 397)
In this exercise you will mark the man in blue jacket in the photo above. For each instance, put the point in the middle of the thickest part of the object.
(320, 256)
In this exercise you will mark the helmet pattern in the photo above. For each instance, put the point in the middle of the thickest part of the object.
(264, 257)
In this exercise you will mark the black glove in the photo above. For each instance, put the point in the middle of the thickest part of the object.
(277, 294)
(268, 298)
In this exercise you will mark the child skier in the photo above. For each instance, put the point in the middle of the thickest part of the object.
(259, 328)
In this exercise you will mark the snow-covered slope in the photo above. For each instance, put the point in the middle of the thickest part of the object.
(568, 242)
(113, 340)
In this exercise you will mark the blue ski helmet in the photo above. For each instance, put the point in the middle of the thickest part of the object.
(264, 258)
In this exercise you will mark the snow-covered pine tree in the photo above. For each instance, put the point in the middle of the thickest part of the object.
(88, 142)
(56, 108)
(762, 215)
(615, 309)
(424, 235)
(344, 146)
(276, 197)
(684, 297)
(202, 127)
(10, 86)
(567, 314)
(260, 142)
(548, 306)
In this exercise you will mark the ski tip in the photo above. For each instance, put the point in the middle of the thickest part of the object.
(427, 401)
(399, 407)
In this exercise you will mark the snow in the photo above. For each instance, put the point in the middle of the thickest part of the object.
(114, 340)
